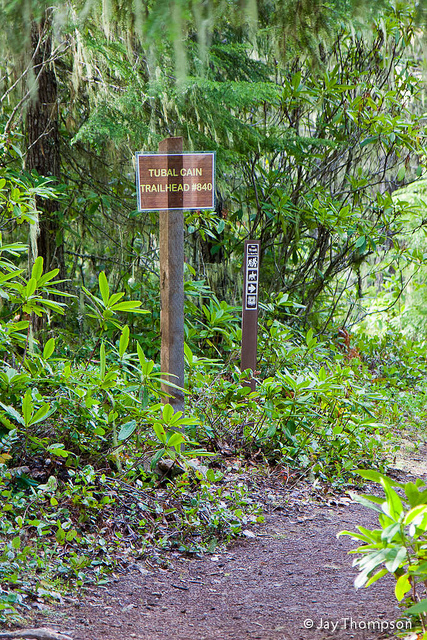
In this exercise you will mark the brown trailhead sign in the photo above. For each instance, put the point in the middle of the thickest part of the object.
(175, 181)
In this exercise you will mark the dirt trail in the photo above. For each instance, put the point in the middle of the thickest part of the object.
(293, 581)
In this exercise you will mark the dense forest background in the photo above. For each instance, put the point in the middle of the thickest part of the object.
(316, 113)
(316, 117)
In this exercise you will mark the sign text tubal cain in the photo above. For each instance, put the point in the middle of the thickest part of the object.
(175, 181)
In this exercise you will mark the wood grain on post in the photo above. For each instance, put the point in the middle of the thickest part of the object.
(171, 232)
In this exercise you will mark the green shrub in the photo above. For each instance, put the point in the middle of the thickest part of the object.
(399, 545)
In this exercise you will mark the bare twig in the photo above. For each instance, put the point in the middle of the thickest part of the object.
(179, 586)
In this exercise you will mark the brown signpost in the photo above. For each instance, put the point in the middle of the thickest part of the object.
(171, 181)
(250, 308)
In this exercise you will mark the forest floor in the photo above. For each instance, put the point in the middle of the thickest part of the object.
(289, 579)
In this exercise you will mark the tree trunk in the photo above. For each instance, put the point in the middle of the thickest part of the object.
(43, 143)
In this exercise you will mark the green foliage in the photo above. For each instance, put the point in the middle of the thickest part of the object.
(77, 528)
(307, 160)
(214, 329)
(394, 359)
(398, 547)
(298, 152)
(19, 192)
(105, 308)
(322, 420)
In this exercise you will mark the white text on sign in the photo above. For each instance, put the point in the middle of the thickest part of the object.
(252, 277)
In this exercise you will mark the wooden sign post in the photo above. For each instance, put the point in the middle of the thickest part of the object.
(250, 308)
(169, 182)
(171, 237)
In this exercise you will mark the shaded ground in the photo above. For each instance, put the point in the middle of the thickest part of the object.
(292, 581)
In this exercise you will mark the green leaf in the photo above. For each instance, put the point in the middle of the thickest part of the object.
(159, 454)
(57, 449)
(310, 340)
(376, 576)
(104, 288)
(188, 354)
(127, 430)
(396, 556)
(374, 535)
(160, 432)
(402, 586)
(51, 484)
(71, 534)
(374, 476)
(211, 475)
(49, 348)
(37, 269)
(375, 499)
(296, 80)
(16, 542)
(368, 140)
(102, 361)
(390, 532)
(95, 299)
(176, 419)
(30, 287)
(60, 535)
(147, 368)
(167, 413)
(220, 226)
(8, 424)
(141, 356)
(11, 411)
(370, 561)
(41, 414)
(353, 534)
(420, 607)
(49, 276)
(401, 173)
(367, 502)
(131, 306)
(124, 341)
(27, 407)
(50, 304)
(414, 495)
(414, 513)
(393, 507)
(109, 379)
(115, 298)
(176, 440)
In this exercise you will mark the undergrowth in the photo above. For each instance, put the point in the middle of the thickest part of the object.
(95, 466)
(76, 530)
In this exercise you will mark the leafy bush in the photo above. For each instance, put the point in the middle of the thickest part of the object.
(393, 358)
(314, 416)
(399, 546)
